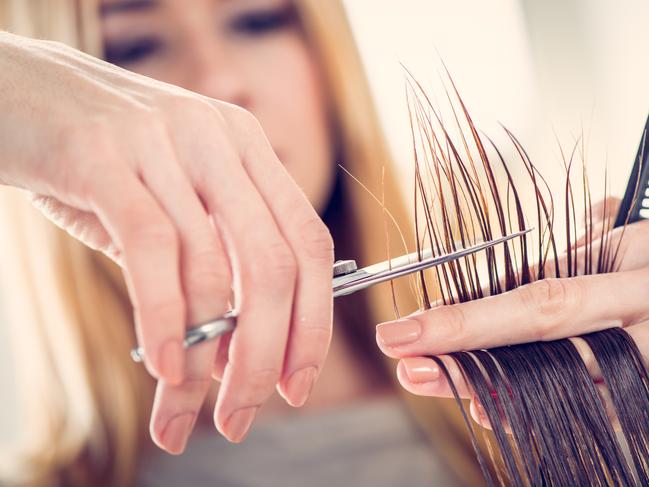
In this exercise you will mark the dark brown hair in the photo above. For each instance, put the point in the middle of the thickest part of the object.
(550, 425)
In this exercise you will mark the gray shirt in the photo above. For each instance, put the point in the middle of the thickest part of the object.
(373, 444)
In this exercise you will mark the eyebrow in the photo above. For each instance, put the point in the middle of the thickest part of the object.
(122, 6)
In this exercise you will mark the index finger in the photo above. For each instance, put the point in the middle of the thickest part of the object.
(544, 310)
(150, 250)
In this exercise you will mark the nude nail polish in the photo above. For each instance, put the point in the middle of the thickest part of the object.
(238, 424)
(299, 385)
(419, 369)
(175, 435)
(397, 333)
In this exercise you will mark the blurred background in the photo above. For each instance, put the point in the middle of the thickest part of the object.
(538, 66)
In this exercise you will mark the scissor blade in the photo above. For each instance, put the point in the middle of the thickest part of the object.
(411, 263)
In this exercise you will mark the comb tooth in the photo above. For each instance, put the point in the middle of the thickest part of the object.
(644, 214)
(645, 203)
(646, 191)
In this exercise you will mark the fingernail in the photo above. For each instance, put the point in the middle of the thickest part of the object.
(174, 437)
(237, 426)
(482, 413)
(483, 419)
(299, 385)
(399, 332)
(172, 362)
(420, 369)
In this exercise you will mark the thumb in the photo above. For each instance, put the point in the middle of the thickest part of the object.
(82, 225)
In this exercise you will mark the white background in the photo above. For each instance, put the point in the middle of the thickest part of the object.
(535, 65)
(538, 66)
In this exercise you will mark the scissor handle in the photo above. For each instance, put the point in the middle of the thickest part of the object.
(200, 333)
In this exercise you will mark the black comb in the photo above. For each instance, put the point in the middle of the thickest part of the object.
(635, 205)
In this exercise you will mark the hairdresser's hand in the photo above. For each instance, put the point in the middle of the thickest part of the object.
(161, 179)
(545, 310)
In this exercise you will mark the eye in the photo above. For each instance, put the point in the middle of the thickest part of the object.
(131, 52)
(263, 21)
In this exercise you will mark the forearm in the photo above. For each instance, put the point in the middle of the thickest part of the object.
(15, 105)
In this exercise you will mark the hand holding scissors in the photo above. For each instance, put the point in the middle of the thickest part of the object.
(347, 279)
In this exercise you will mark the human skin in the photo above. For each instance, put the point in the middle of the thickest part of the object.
(175, 187)
(250, 53)
(549, 309)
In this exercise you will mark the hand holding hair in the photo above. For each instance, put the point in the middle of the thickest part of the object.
(558, 398)
(544, 310)
(175, 187)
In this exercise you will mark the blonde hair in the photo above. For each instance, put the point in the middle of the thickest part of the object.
(86, 405)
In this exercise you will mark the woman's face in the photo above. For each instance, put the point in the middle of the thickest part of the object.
(247, 52)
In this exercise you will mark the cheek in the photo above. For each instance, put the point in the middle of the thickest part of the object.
(290, 101)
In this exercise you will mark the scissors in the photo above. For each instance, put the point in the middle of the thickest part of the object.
(347, 279)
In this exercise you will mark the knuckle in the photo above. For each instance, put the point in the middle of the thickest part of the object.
(208, 273)
(241, 115)
(281, 262)
(315, 339)
(259, 383)
(548, 300)
(204, 170)
(199, 111)
(277, 265)
(316, 239)
(241, 118)
(154, 311)
(143, 233)
(454, 321)
(319, 333)
(242, 133)
(153, 121)
(551, 296)
(159, 234)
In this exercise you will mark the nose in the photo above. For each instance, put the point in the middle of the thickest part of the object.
(213, 72)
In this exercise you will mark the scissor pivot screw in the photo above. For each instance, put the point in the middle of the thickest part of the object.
(344, 267)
